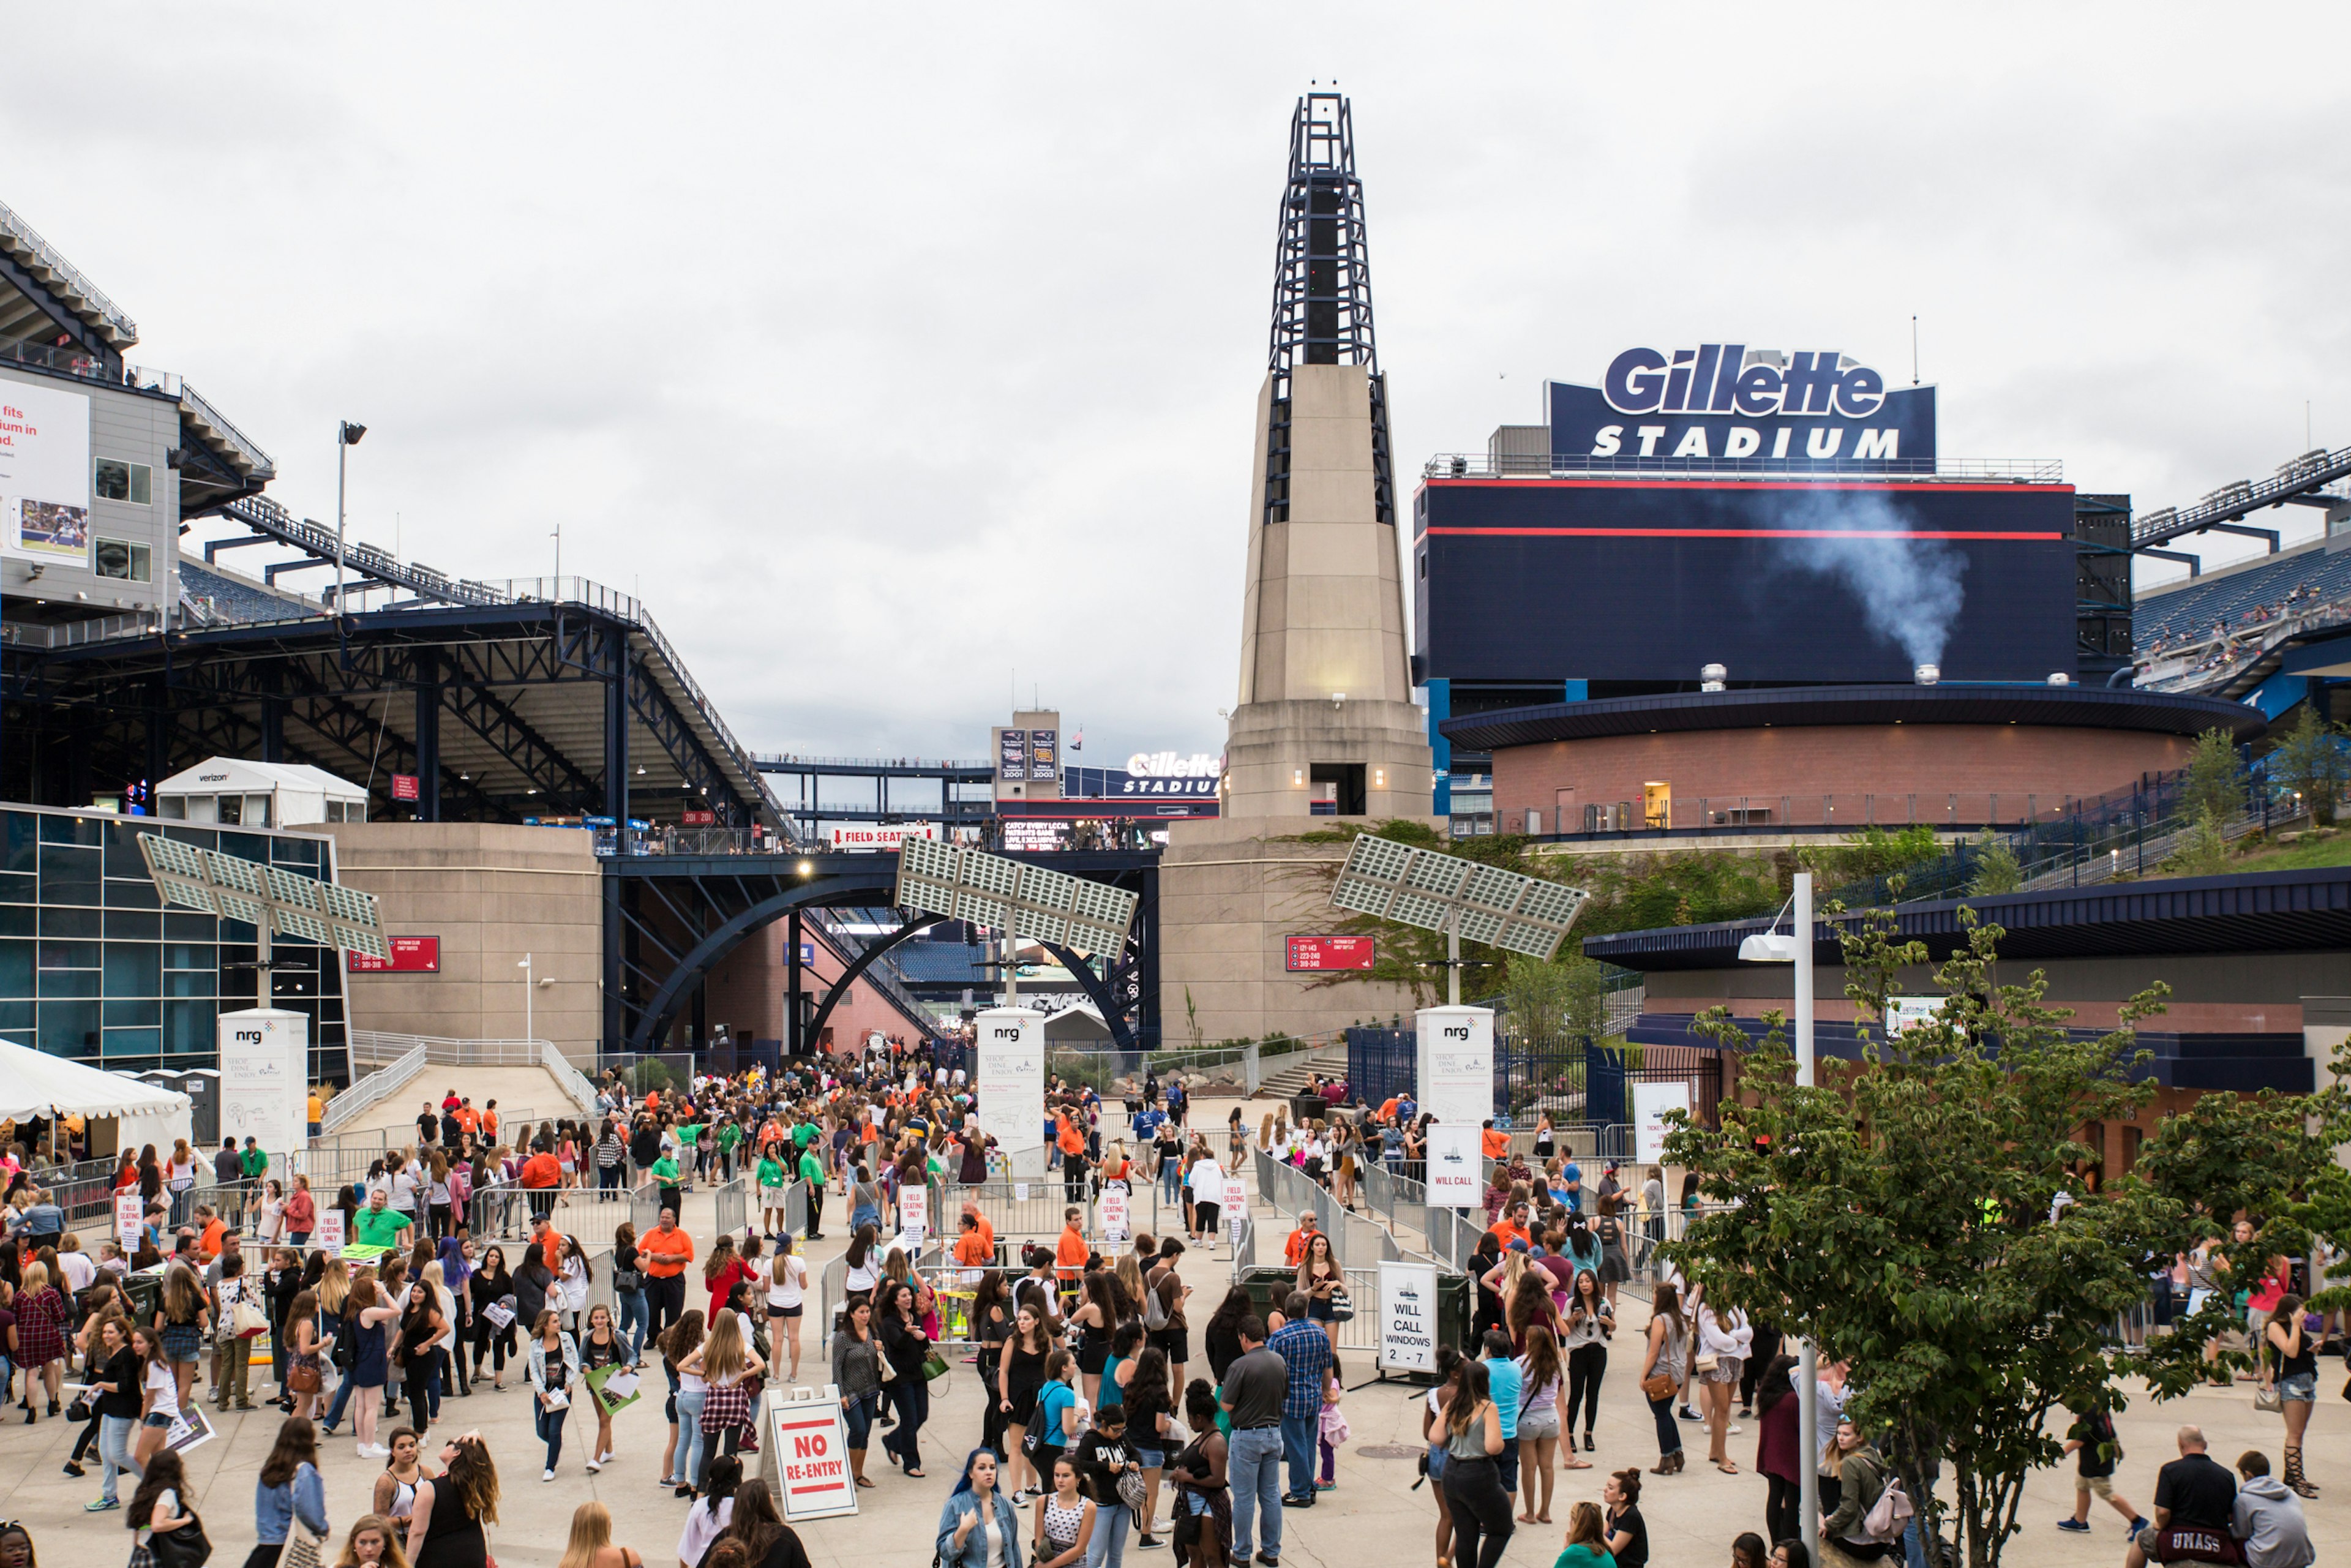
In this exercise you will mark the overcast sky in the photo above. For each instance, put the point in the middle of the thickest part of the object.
(906, 362)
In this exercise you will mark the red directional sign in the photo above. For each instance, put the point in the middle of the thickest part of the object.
(409, 955)
(1309, 953)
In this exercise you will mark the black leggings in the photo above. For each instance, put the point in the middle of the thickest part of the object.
(1480, 1508)
(1587, 1365)
(488, 1336)
(1784, 1509)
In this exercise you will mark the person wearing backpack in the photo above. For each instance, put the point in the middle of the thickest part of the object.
(2091, 1437)
(1872, 1513)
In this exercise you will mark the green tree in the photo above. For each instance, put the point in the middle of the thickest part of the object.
(2313, 762)
(1875, 851)
(2215, 785)
(1566, 997)
(1996, 870)
(1900, 1216)
(2201, 851)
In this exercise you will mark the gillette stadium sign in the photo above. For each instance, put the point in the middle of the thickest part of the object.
(1725, 405)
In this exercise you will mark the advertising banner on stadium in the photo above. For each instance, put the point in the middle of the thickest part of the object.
(1720, 405)
(45, 474)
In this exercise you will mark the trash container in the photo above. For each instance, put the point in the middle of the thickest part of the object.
(1306, 1108)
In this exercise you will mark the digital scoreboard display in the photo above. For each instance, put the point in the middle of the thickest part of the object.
(1845, 579)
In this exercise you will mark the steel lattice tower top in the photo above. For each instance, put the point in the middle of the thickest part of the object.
(1322, 286)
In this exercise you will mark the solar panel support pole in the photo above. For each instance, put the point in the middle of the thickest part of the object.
(1808, 1383)
(1453, 962)
(261, 986)
(1011, 974)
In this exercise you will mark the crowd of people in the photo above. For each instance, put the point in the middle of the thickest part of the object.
(1099, 1431)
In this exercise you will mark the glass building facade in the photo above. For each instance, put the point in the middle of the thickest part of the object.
(93, 966)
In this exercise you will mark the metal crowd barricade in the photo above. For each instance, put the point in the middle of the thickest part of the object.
(1245, 1249)
(734, 1205)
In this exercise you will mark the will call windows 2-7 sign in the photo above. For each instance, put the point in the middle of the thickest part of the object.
(409, 955)
(1311, 954)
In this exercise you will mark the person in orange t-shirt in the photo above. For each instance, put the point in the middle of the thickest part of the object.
(1070, 1253)
(1496, 1143)
(972, 1250)
(1512, 1226)
(971, 1211)
(664, 1252)
(1294, 1251)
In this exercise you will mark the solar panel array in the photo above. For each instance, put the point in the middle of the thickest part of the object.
(1005, 894)
(287, 902)
(1434, 891)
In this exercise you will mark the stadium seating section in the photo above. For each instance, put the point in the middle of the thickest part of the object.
(2289, 585)
(224, 598)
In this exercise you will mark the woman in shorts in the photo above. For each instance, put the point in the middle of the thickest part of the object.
(787, 1295)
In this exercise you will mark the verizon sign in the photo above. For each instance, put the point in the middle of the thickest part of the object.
(880, 836)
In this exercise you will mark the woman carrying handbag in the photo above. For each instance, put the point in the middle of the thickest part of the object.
(289, 1501)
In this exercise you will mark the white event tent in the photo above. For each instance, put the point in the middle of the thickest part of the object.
(35, 1083)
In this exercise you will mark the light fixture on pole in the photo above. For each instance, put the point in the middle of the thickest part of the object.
(1459, 897)
(1796, 947)
(1014, 899)
(347, 435)
(529, 1023)
(270, 899)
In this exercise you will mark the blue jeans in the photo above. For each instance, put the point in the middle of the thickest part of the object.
(1170, 1180)
(632, 1321)
(858, 1413)
(1253, 1468)
(342, 1397)
(549, 1425)
(114, 1449)
(1297, 1451)
(689, 1432)
(1108, 1547)
(1914, 1551)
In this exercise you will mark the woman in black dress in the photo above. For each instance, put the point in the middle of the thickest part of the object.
(1018, 1380)
(491, 1286)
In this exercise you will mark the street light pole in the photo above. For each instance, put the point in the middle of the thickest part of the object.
(530, 1024)
(347, 435)
(1808, 1385)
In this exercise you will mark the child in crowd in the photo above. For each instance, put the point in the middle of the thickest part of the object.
(1333, 1430)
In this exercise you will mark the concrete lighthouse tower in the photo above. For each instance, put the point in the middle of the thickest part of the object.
(1326, 727)
(1326, 712)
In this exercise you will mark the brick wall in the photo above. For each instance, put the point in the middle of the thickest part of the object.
(1891, 762)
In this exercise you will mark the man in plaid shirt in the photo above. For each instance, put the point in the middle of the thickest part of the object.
(1306, 1350)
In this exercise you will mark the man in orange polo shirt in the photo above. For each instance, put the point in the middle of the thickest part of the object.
(972, 1250)
(971, 1211)
(664, 1252)
(1512, 1226)
(542, 1173)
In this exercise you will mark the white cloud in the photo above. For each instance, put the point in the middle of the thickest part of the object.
(890, 357)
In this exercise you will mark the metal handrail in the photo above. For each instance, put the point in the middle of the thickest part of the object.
(1537, 465)
(197, 404)
(44, 256)
(373, 1089)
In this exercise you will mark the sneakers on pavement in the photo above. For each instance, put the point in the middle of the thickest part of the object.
(2078, 1526)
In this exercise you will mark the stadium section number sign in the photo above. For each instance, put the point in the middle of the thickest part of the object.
(409, 955)
(812, 1448)
(1308, 955)
(44, 475)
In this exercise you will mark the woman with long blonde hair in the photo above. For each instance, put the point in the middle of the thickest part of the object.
(185, 1320)
(787, 1293)
(590, 1545)
(373, 1543)
(725, 1364)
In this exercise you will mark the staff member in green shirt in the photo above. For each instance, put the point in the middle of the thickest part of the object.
(665, 1175)
(812, 1177)
(380, 1225)
(730, 1133)
(771, 1179)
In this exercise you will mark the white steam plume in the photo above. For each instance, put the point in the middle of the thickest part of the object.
(1908, 588)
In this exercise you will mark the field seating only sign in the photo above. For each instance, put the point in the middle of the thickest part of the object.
(811, 1442)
